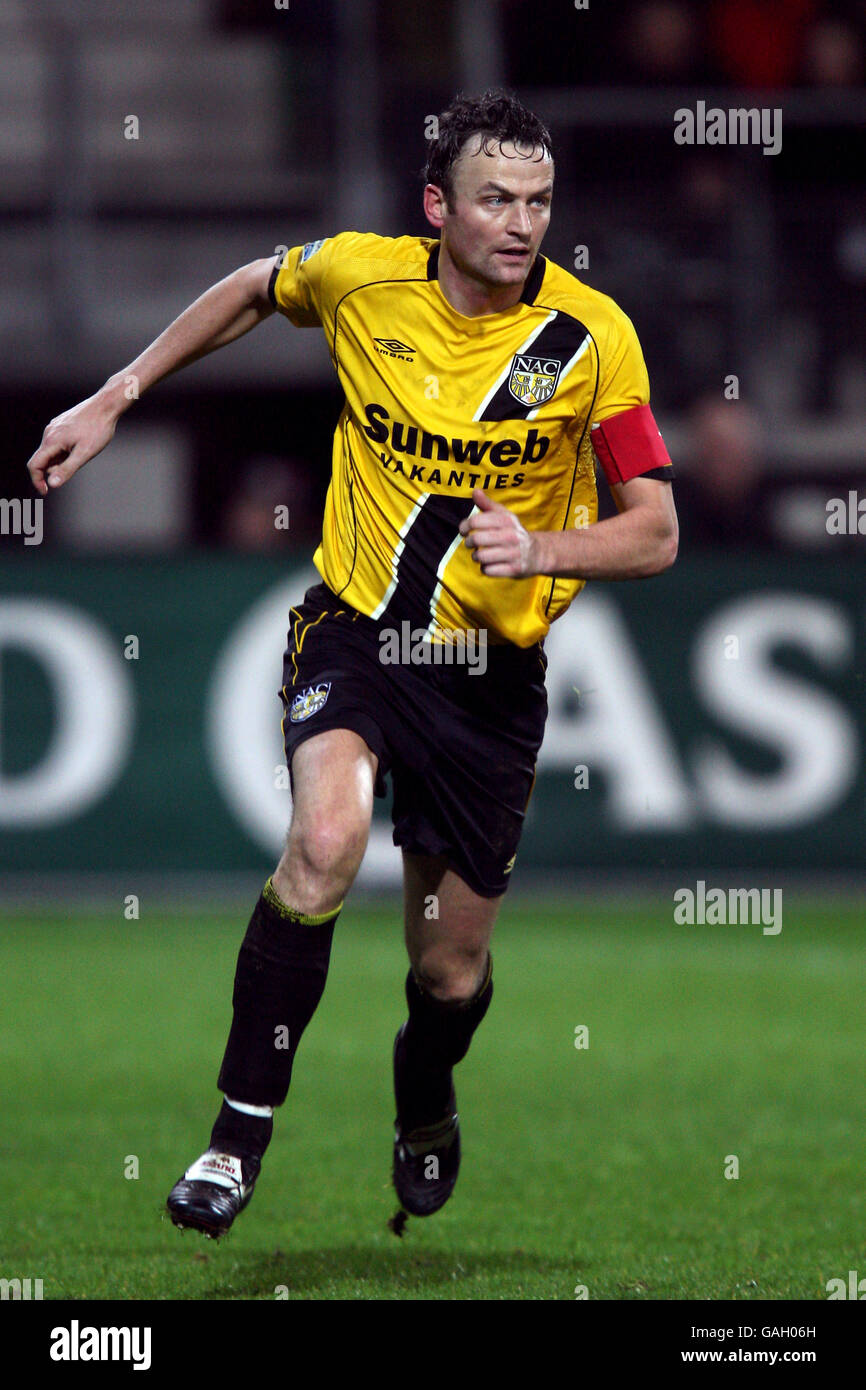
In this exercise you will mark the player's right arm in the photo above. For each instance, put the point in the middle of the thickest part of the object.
(222, 314)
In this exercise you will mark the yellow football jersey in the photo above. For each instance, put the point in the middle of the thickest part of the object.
(438, 403)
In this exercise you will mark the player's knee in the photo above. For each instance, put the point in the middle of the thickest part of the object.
(452, 979)
(328, 848)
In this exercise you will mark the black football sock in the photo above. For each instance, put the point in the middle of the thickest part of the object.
(244, 1135)
(280, 977)
(435, 1039)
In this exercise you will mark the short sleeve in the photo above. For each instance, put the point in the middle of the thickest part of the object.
(297, 282)
(625, 437)
(623, 375)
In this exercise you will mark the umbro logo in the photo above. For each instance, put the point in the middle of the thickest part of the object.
(392, 347)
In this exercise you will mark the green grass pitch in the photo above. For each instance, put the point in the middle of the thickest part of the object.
(601, 1166)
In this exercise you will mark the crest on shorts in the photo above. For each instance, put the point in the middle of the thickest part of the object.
(532, 380)
(308, 702)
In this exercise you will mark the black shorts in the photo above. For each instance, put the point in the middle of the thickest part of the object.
(460, 746)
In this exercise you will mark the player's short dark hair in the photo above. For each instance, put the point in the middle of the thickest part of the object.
(496, 116)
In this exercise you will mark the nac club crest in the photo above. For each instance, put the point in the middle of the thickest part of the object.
(532, 380)
(308, 702)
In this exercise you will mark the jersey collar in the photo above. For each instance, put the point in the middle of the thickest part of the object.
(530, 289)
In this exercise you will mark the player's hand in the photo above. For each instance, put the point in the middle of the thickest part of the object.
(70, 441)
(500, 543)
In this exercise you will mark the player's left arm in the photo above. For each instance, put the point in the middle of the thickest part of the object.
(640, 541)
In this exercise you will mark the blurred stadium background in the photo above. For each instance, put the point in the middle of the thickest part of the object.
(717, 711)
(259, 127)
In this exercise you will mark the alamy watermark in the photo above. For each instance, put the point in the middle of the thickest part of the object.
(855, 1288)
(846, 516)
(419, 646)
(77, 1343)
(24, 1289)
(731, 907)
(738, 126)
(22, 518)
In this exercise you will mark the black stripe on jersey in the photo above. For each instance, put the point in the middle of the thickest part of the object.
(560, 339)
(531, 286)
(589, 415)
(352, 471)
(432, 532)
(533, 280)
(272, 283)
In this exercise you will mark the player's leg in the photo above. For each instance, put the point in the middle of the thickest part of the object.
(448, 927)
(448, 989)
(284, 958)
(281, 970)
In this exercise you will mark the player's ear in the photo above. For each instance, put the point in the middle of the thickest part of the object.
(434, 205)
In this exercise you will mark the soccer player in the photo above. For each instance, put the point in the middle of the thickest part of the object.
(481, 384)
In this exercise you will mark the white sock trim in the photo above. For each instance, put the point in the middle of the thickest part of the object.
(265, 1112)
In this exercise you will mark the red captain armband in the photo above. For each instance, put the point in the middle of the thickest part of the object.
(629, 445)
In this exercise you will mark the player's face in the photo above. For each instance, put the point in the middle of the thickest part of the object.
(499, 212)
